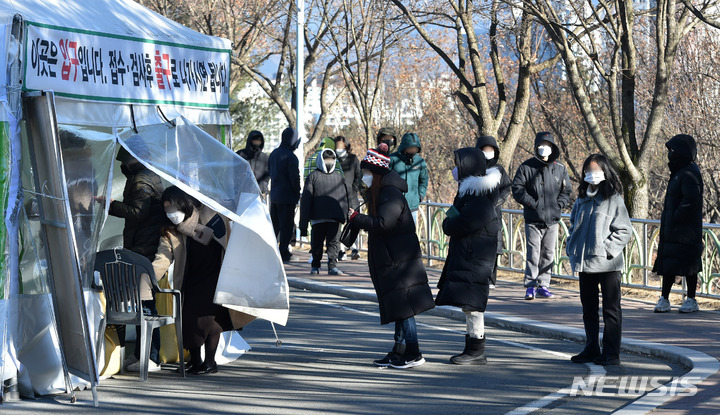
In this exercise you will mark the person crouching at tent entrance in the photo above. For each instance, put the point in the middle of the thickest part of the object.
(196, 242)
(394, 257)
(472, 225)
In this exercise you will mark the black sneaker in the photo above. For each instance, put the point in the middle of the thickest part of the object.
(385, 361)
(341, 256)
(355, 255)
(406, 362)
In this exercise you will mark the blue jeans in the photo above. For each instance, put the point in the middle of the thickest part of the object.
(406, 331)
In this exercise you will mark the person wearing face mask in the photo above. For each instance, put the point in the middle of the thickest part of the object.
(284, 190)
(680, 247)
(472, 225)
(324, 203)
(600, 228)
(491, 151)
(412, 168)
(310, 163)
(353, 179)
(394, 257)
(142, 211)
(387, 136)
(253, 153)
(542, 186)
(195, 242)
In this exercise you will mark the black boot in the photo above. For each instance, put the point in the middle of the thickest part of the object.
(474, 353)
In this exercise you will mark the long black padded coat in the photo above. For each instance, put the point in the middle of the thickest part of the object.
(473, 234)
(680, 247)
(394, 255)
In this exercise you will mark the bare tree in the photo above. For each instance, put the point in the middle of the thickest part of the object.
(262, 34)
(596, 41)
(486, 103)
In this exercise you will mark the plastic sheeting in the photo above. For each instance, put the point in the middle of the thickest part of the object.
(252, 279)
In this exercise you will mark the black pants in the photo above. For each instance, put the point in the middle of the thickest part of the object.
(322, 232)
(669, 280)
(283, 219)
(612, 314)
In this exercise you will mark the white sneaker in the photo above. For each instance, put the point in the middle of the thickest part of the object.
(663, 305)
(130, 360)
(689, 306)
(152, 367)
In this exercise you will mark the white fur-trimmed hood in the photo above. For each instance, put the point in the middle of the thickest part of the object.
(477, 185)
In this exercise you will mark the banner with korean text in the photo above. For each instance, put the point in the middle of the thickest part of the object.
(104, 67)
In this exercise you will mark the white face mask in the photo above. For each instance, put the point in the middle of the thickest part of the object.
(367, 179)
(455, 174)
(340, 152)
(176, 217)
(544, 151)
(595, 177)
(489, 155)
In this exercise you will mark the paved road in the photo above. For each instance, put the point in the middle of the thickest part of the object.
(324, 366)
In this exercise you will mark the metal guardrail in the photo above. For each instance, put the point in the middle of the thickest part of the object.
(639, 253)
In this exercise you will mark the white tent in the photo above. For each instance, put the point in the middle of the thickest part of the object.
(87, 75)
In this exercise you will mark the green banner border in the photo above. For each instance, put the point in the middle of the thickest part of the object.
(134, 39)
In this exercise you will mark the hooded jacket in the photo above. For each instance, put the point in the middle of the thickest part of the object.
(542, 187)
(680, 247)
(599, 230)
(350, 165)
(285, 170)
(141, 207)
(413, 170)
(394, 256)
(326, 143)
(258, 160)
(325, 195)
(503, 187)
(473, 231)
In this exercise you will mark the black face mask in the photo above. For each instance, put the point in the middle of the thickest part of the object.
(125, 169)
(389, 143)
(675, 161)
(254, 148)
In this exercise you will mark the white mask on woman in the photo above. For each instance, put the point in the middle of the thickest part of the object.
(176, 217)
(595, 177)
(367, 179)
(489, 155)
(340, 152)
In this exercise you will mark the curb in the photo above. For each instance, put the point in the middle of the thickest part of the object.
(701, 365)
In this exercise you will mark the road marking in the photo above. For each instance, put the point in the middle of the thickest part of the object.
(595, 370)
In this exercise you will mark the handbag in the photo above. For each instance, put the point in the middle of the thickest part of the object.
(349, 234)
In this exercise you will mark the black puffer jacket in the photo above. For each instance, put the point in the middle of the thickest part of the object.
(394, 256)
(285, 170)
(542, 187)
(141, 207)
(473, 234)
(325, 195)
(353, 176)
(680, 248)
(503, 187)
(259, 161)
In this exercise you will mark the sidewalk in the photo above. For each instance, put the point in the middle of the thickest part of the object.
(690, 339)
